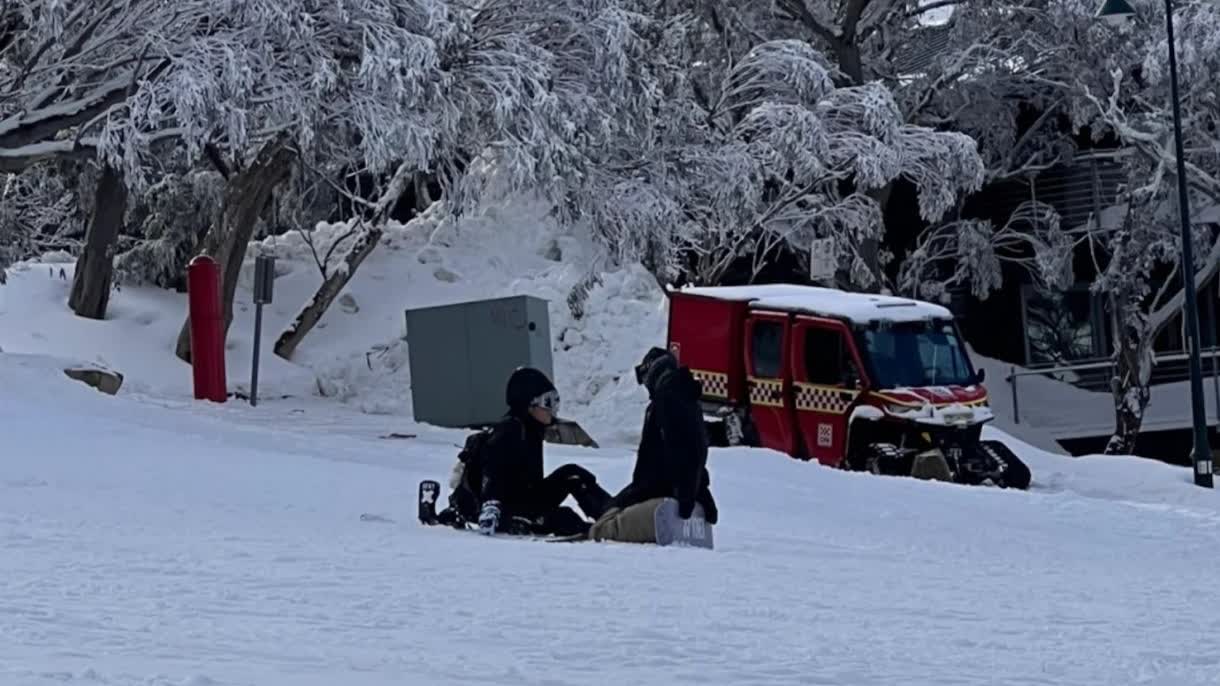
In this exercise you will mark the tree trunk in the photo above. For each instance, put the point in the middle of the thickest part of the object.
(1133, 370)
(95, 266)
(245, 196)
(334, 283)
(330, 289)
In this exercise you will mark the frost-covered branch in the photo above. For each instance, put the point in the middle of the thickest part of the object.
(970, 251)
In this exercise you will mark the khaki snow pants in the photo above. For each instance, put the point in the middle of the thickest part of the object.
(634, 524)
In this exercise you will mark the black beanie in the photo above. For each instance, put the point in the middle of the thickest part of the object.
(525, 384)
(650, 358)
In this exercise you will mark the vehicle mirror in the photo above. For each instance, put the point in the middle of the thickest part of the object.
(980, 375)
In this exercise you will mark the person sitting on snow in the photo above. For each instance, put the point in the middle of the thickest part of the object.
(671, 459)
(513, 496)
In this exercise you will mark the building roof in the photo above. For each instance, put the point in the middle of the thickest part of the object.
(828, 302)
(920, 48)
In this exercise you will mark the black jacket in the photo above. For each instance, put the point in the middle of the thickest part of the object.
(512, 464)
(672, 457)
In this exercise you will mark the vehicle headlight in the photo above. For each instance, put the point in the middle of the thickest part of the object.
(911, 411)
(959, 417)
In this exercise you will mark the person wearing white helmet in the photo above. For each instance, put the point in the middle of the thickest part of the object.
(503, 486)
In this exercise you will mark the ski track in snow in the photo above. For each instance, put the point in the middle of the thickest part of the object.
(187, 549)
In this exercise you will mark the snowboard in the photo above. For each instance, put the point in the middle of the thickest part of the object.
(673, 530)
(429, 494)
(500, 535)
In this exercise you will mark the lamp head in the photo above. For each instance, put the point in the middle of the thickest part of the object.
(1115, 12)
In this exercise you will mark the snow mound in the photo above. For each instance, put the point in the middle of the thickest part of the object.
(358, 353)
(136, 339)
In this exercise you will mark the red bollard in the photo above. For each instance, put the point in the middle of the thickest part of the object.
(207, 329)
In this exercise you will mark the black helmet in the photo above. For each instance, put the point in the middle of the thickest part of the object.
(526, 384)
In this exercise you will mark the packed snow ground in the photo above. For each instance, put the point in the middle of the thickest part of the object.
(154, 545)
(151, 539)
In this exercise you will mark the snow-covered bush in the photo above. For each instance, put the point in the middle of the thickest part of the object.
(167, 226)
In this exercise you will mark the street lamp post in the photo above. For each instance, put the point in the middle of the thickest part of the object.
(1116, 11)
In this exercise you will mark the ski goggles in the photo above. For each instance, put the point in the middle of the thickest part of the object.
(547, 401)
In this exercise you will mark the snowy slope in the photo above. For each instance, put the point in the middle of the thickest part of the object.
(358, 354)
(150, 539)
(153, 545)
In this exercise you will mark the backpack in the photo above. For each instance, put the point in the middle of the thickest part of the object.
(467, 485)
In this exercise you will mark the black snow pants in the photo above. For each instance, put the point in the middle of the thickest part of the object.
(545, 500)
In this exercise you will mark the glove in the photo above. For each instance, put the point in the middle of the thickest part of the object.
(489, 517)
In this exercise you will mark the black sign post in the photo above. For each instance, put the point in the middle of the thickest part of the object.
(264, 279)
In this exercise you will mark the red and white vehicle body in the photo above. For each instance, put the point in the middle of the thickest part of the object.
(833, 376)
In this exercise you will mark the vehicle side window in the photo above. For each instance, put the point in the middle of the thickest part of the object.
(766, 347)
(828, 361)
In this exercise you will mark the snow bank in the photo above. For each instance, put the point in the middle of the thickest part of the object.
(359, 350)
(358, 354)
(1118, 478)
(136, 339)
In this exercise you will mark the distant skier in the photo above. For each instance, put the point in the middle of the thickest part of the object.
(671, 459)
(502, 484)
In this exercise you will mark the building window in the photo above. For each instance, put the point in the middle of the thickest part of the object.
(1063, 327)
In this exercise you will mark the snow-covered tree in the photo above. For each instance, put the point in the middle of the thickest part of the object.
(166, 225)
(970, 252)
(962, 76)
(753, 148)
(1112, 82)
(526, 93)
(38, 213)
(118, 80)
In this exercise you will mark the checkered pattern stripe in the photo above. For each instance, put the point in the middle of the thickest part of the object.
(715, 384)
(829, 399)
(766, 392)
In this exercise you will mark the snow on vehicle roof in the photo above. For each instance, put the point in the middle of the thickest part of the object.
(830, 302)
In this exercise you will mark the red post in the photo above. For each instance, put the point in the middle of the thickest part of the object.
(207, 329)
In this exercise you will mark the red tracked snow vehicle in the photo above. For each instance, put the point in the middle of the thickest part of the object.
(853, 380)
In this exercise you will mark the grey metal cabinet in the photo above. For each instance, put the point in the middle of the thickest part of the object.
(461, 356)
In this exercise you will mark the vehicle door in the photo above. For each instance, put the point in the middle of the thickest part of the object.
(767, 376)
(827, 383)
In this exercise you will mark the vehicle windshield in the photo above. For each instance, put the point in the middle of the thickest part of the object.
(916, 354)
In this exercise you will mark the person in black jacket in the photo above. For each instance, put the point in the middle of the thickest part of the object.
(514, 496)
(672, 456)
